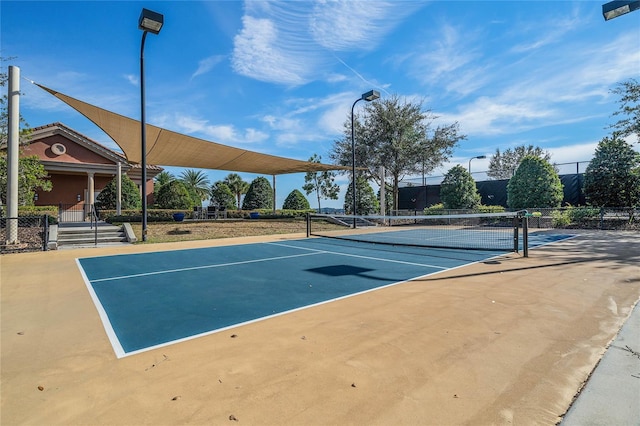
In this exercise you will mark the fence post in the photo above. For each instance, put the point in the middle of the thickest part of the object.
(45, 233)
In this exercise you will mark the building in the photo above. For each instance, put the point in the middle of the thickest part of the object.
(79, 168)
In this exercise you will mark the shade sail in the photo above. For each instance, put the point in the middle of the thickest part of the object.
(168, 148)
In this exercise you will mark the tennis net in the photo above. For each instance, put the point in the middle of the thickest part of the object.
(506, 231)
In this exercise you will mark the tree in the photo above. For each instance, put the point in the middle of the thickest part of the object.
(161, 179)
(31, 177)
(612, 178)
(366, 200)
(296, 201)
(174, 195)
(259, 195)
(131, 198)
(458, 190)
(321, 182)
(629, 92)
(197, 183)
(397, 135)
(535, 184)
(388, 200)
(222, 196)
(503, 165)
(236, 185)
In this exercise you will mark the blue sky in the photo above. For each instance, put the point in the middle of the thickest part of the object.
(280, 77)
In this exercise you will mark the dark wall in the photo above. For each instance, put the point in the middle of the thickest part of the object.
(492, 193)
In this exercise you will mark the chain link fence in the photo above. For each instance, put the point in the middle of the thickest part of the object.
(623, 218)
(31, 234)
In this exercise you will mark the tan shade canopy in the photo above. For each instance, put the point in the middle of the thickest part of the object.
(167, 148)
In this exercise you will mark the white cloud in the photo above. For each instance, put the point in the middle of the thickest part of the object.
(290, 43)
(222, 133)
(355, 25)
(207, 64)
(494, 116)
(258, 53)
(132, 79)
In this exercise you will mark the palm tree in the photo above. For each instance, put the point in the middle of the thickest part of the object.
(197, 182)
(163, 178)
(236, 185)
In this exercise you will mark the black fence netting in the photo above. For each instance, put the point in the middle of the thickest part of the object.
(492, 193)
(22, 234)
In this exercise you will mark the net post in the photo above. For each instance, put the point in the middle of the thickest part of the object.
(515, 234)
(308, 224)
(525, 236)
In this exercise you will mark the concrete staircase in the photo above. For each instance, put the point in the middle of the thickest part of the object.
(81, 234)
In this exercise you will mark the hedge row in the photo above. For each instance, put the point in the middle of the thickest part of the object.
(438, 209)
(165, 215)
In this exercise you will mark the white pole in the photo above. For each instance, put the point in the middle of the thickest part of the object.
(274, 194)
(119, 190)
(12, 153)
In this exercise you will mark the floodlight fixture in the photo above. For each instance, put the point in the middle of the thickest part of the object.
(613, 9)
(369, 96)
(479, 157)
(149, 22)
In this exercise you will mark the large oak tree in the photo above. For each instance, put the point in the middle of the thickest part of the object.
(399, 136)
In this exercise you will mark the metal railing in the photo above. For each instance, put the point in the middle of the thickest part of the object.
(94, 223)
(73, 212)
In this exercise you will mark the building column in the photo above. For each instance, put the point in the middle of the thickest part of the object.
(90, 188)
(119, 190)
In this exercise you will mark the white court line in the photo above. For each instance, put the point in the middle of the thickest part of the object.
(194, 268)
(380, 259)
(111, 334)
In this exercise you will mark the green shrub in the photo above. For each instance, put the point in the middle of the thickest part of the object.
(259, 195)
(296, 201)
(174, 195)
(583, 214)
(435, 209)
(490, 209)
(560, 218)
(535, 184)
(51, 211)
(458, 189)
(130, 194)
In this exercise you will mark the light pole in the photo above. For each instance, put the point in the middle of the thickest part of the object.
(613, 9)
(479, 157)
(149, 22)
(371, 95)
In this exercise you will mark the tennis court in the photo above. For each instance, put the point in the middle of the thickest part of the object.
(154, 299)
(506, 340)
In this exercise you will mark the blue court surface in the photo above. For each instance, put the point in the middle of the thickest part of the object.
(150, 300)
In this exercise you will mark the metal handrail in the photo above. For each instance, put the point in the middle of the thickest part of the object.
(94, 217)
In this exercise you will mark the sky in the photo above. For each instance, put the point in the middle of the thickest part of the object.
(280, 77)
